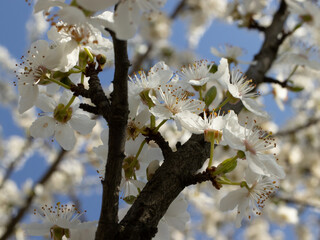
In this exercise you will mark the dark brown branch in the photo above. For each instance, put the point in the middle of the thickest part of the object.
(255, 25)
(178, 10)
(15, 220)
(204, 177)
(268, 52)
(108, 222)
(283, 84)
(271, 44)
(95, 92)
(162, 143)
(89, 108)
(168, 181)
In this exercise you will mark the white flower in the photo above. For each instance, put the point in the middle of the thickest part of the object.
(61, 218)
(212, 127)
(63, 123)
(197, 74)
(141, 85)
(174, 100)
(250, 199)
(232, 53)
(254, 142)
(36, 69)
(127, 15)
(308, 11)
(280, 95)
(241, 88)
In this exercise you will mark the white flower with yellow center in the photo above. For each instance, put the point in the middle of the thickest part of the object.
(255, 143)
(57, 222)
(242, 88)
(64, 121)
(251, 198)
(173, 100)
(197, 74)
(37, 69)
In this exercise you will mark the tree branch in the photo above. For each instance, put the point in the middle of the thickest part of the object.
(15, 220)
(95, 93)
(179, 167)
(168, 181)
(108, 222)
(298, 128)
(268, 52)
(283, 84)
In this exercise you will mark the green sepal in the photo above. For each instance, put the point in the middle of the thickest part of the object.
(67, 81)
(213, 68)
(226, 166)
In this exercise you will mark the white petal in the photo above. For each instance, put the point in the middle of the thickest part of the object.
(160, 73)
(192, 122)
(105, 136)
(232, 199)
(251, 177)
(253, 107)
(64, 135)
(37, 229)
(161, 112)
(101, 151)
(65, 98)
(233, 90)
(45, 103)
(255, 164)
(271, 165)
(28, 97)
(82, 123)
(126, 20)
(233, 139)
(43, 127)
(222, 74)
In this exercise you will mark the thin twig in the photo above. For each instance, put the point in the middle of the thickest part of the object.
(308, 124)
(16, 161)
(15, 220)
(283, 84)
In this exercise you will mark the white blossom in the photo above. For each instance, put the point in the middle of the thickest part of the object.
(249, 199)
(255, 143)
(63, 122)
(174, 100)
(62, 217)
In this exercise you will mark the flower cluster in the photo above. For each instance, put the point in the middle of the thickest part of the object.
(191, 99)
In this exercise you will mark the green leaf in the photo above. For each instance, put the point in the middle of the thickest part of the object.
(210, 95)
(295, 88)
